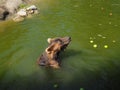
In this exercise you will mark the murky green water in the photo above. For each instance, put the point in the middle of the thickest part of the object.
(92, 60)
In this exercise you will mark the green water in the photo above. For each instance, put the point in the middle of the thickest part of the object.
(91, 62)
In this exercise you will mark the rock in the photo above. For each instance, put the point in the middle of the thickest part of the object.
(30, 11)
(10, 7)
(29, 16)
(22, 13)
(3, 13)
(95, 45)
(105, 46)
(36, 12)
(91, 41)
(32, 7)
(26, 12)
(13, 5)
(18, 19)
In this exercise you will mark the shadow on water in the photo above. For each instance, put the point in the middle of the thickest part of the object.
(50, 81)
(70, 53)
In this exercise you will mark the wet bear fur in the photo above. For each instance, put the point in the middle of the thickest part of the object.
(50, 57)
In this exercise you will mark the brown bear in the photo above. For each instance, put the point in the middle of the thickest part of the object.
(50, 56)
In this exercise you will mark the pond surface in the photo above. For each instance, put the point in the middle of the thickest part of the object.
(91, 62)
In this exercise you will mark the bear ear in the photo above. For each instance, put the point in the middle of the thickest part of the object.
(49, 40)
(49, 49)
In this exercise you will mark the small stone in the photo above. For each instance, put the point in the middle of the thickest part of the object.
(99, 35)
(91, 38)
(32, 7)
(95, 45)
(18, 19)
(105, 46)
(110, 14)
(102, 8)
(55, 85)
(30, 11)
(99, 24)
(115, 25)
(91, 41)
(91, 5)
(103, 37)
(36, 12)
(22, 13)
(76, 6)
(113, 41)
(110, 22)
(81, 88)
(29, 16)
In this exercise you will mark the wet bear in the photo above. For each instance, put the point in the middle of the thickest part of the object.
(50, 56)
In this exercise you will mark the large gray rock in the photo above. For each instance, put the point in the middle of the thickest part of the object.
(12, 5)
(3, 13)
(9, 7)
(25, 13)
(22, 13)
(32, 7)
